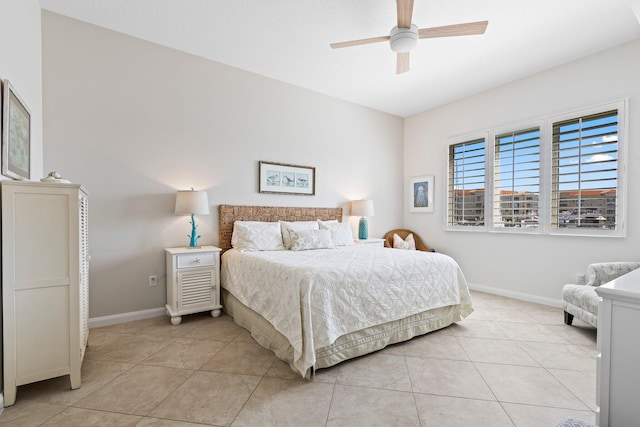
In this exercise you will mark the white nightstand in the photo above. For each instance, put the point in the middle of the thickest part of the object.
(193, 281)
(376, 242)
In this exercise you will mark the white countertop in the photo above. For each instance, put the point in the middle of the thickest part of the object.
(624, 288)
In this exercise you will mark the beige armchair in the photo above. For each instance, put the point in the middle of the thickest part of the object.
(582, 301)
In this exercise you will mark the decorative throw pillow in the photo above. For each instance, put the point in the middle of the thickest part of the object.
(304, 240)
(408, 243)
(340, 232)
(256, 236)
(285, 226)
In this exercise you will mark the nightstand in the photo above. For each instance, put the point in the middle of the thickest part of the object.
(375, 242)
(193, 281)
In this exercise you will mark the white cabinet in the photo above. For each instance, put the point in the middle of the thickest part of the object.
(617, 393)
(45, 280)
(193, 281)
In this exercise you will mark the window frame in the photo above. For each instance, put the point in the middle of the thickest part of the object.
(542, 129)
(460, 140)
(621, 187)
(545, 126)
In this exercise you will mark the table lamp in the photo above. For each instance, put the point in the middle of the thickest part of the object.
(190, 202)
(362, 208)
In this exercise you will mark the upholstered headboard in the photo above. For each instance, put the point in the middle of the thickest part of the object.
(231, 213)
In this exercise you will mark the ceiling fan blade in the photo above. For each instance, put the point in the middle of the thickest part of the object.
(405, 12)
(359, 42)
(468, 29)
(402, 65)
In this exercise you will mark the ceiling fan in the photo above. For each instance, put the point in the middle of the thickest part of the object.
(405, 35)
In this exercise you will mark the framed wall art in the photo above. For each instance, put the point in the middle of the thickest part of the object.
(16, 134)
(287, 179)
(421, 193)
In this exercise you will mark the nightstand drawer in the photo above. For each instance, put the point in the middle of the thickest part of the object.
(196, 260)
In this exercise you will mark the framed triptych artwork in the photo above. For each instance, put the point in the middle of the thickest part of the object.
(287, 179)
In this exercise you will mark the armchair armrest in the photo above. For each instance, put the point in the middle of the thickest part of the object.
(603, 272)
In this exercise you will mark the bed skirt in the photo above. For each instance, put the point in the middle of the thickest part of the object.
(349, 345)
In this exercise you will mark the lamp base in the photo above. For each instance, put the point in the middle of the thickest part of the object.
(363, 229)
(193, 238)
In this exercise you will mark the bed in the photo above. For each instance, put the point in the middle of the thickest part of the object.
(316, 308)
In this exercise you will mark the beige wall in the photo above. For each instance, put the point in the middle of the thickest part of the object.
(133, 122)
(529, 266)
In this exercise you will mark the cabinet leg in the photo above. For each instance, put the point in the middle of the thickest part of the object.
(215, 313)
(176, 320)
(9, 395)
(74, 378)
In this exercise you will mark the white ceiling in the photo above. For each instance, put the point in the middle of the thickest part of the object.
(288, 40)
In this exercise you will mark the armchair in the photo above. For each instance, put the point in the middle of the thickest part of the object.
(582, 301)
(404, 233)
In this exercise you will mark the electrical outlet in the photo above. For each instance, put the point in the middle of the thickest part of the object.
(153, 280)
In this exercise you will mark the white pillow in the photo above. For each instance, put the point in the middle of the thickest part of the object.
(286, 226)
(256, 236)
(311, 239)
(340, 232)
(408, 243)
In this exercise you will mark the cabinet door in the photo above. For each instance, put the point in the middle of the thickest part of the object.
(624, 373)
(38, 284)
(197, 289)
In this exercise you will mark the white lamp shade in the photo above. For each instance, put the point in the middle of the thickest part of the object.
(362, 208)
(192, 202)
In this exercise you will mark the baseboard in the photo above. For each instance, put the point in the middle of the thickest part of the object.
(126, 317)
(517, 295)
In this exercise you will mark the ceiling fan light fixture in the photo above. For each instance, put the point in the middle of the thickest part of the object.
(403, 39)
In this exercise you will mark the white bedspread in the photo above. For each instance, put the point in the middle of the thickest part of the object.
(313, 297)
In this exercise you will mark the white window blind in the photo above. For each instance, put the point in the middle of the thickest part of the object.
(585, 172)
(466, 187)
(516, 179)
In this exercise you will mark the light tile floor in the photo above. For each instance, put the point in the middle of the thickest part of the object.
(511, 363)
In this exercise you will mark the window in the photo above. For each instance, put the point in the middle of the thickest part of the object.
(466, 199)
(516, 181)
(560, 175)
(585, 172)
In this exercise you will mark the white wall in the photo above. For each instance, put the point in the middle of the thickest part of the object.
(133, 122)
(21, 64)
(530, 266)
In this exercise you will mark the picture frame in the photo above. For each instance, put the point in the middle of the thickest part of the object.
(16, 134)
(421, 194)
(283, 178)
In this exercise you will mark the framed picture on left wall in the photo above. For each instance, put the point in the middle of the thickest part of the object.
(16, 134)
